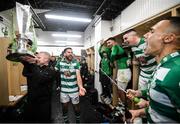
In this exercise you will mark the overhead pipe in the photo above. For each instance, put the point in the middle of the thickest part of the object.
(99, 8)
(104, 10)
(95, 21)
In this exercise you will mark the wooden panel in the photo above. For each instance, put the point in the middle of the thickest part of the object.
(4, 96)
(114, 87)
(175, 12)
(88, 61)
(14, 79)
(90, 58)
(178, 11)
(135, 76)
(10, 75)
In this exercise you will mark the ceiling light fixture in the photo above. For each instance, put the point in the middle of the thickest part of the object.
(61, 41)
(67, 18)
(67, 35)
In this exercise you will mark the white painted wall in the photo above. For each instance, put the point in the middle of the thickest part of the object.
(45, 38)
(106, 29)
(116, 24)
(98, 30)
(56, 51)
(1, 26)
(89, 36)
(140, 10)
(7, 16)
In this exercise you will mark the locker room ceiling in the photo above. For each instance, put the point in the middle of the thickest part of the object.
(81, 8)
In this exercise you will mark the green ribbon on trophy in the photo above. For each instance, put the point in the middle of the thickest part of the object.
(24, 41)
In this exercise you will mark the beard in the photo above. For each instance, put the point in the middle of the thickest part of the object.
(69, 58)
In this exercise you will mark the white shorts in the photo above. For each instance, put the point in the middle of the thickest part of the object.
(123, 77)
(66, 97)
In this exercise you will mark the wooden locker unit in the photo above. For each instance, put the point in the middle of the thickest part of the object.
(4, 93)
(11, 78)
(90, 58)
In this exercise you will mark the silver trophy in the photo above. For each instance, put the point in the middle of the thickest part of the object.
(20, 46)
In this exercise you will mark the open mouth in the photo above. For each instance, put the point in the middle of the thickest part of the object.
(70, 57)
(125, 43)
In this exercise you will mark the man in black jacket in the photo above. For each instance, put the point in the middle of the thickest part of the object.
(40, 77)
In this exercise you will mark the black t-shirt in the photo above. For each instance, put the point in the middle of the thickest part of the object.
(39, 81)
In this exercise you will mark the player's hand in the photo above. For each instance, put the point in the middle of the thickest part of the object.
(133, 93)
(129, 62)
(134, 62)
(82, 91)
(102, 42)
(143, 103)
(137, 113)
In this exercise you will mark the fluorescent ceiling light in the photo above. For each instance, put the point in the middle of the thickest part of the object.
(67, 35)
(67, 42)
(67, 18)
(61, 41)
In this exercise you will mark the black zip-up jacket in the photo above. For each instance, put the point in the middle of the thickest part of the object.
(39, 81)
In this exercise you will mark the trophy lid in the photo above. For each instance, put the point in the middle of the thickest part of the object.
(16, 57)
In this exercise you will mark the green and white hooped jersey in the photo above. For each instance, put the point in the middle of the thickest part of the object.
(147, 63)
(164, 91)
(68, 83)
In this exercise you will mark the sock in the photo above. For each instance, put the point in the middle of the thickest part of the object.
(77, 117)
(65, 117)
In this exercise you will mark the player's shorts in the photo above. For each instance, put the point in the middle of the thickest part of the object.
(66, 97)
(123, 77)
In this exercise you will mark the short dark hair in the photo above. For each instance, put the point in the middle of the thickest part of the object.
(131, 30)
(175, 22)
(111, 38)
(67, 49)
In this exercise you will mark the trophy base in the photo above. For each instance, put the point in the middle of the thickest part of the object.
(16, 57)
